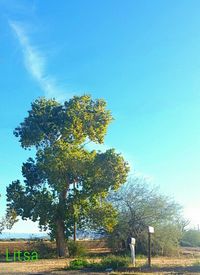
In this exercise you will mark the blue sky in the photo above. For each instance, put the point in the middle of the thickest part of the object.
(141, 56)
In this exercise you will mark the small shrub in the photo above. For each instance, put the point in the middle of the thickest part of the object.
(140, 256)
(185, 243)
(115, 262)
(45, 250)
(78, 264)
(76, 249)
(191, 238)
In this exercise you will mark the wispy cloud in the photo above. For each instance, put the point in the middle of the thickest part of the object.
(35, 63)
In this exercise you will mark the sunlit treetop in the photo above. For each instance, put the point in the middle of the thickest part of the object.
(76, 120)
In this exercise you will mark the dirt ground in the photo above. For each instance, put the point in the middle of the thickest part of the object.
(187, 263)
(161, 265)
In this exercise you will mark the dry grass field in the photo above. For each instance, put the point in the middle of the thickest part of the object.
(187, 263)
(98, 246)
(160, 265)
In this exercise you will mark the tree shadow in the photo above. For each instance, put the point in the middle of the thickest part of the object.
(193, 269)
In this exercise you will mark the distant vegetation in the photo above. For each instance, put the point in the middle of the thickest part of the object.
(191, 238)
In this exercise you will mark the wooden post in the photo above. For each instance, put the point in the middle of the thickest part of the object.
(74, 187)
(149, 249)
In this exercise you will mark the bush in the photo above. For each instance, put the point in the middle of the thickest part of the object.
(44, 249)
(76, 249)
(185, 243)
(140, 256)
(115, 262)
(191, 238)
(78, 264)
(149, 207)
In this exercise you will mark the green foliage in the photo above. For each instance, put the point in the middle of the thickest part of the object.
(166, 240)
(78, 264)
(191, 238)
(100, 214)
(140, 257)
(7, 221)
(76, 249)
(115, 262)
(65, 180)
(139, 205)
(75, 120)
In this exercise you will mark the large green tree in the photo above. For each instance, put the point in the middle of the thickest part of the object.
(59, 133)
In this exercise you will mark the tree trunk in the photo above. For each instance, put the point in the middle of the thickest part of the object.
(74, 187)
(74, 230)
(61, 245)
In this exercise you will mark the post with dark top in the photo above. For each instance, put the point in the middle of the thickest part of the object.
(150, 231)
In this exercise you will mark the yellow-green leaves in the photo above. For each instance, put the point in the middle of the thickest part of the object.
(64, 163)
(74, 121)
